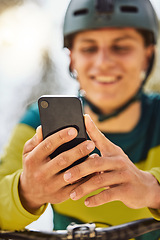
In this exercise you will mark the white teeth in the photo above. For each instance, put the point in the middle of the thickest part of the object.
(106, 79)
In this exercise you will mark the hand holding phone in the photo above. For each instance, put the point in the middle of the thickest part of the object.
(58, 112)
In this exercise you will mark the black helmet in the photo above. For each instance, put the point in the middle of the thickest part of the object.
(84, 15)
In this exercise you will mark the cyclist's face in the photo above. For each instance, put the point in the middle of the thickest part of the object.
(109, 63)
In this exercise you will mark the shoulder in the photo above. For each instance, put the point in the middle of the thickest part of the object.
(31, 116)
(152, 100)
(151, 109)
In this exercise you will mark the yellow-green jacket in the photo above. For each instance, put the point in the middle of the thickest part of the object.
(142, 145)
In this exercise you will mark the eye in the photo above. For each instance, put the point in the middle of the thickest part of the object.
(91, 49)
(121, 49)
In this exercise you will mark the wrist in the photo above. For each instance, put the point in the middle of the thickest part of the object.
(154, 192)
(27, 201)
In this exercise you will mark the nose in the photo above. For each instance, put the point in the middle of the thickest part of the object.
(104, 59)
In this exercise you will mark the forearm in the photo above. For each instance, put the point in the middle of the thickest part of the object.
(12, 214)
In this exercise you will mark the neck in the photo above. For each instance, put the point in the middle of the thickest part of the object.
(123, 123)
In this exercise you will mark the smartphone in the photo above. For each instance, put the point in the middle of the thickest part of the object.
(58, 112)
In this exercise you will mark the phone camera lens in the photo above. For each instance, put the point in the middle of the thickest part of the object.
(44, 104)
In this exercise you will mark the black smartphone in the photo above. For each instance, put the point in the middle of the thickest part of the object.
(58, 112)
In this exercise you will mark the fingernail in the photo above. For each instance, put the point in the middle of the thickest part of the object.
(71, 132)
(39, 133)
(93, 156)
(86, 202)
(90, 146)
(67, 176)
(73, 195)
(38, 128)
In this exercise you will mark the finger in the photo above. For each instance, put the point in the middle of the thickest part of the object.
(34, 141)
(102, 143)
(83, 169)
(51, 143)
(39, 133)
(98, 181)
(62, 194)
(67, 158)
(94, 164)
(105, 196)
(58, 190)
(94, 155)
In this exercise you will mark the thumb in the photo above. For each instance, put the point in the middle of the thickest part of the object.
(34, 141)
(39, 134)
(105, 146)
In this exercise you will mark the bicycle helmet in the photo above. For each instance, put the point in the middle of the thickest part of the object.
(84, 15)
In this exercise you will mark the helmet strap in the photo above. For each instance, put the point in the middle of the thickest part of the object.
(102, 117)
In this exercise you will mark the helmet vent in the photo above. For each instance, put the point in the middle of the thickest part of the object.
(105, 6)
(129, 9)
(81, 12)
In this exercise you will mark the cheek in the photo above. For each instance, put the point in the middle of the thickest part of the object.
(82, 66)
(133, 65)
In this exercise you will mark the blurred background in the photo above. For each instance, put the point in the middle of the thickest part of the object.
(32, 59)
(33, 62)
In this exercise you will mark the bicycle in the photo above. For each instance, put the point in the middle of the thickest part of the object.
(88, 231)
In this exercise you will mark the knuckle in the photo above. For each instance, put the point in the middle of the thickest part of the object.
(28, 162)
(121, 161)
(61, 135)
(62, 161)
(26, 144)
(26, 147)
(81, 151)
(80, 191)
(98, 179)
(37, 177)
(47, 145)
(76, 171)
(95, 200)
(118, 149)
(97, 162)
(106, 195)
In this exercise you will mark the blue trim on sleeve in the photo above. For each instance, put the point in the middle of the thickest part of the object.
(31, 117)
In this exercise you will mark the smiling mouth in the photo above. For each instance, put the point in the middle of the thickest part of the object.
(106, 80)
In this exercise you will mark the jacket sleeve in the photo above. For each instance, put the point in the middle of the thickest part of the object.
(156, 173)
(12, 214)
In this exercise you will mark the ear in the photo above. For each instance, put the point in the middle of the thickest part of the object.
(71, 65)
(149, 53)
(72, 70)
